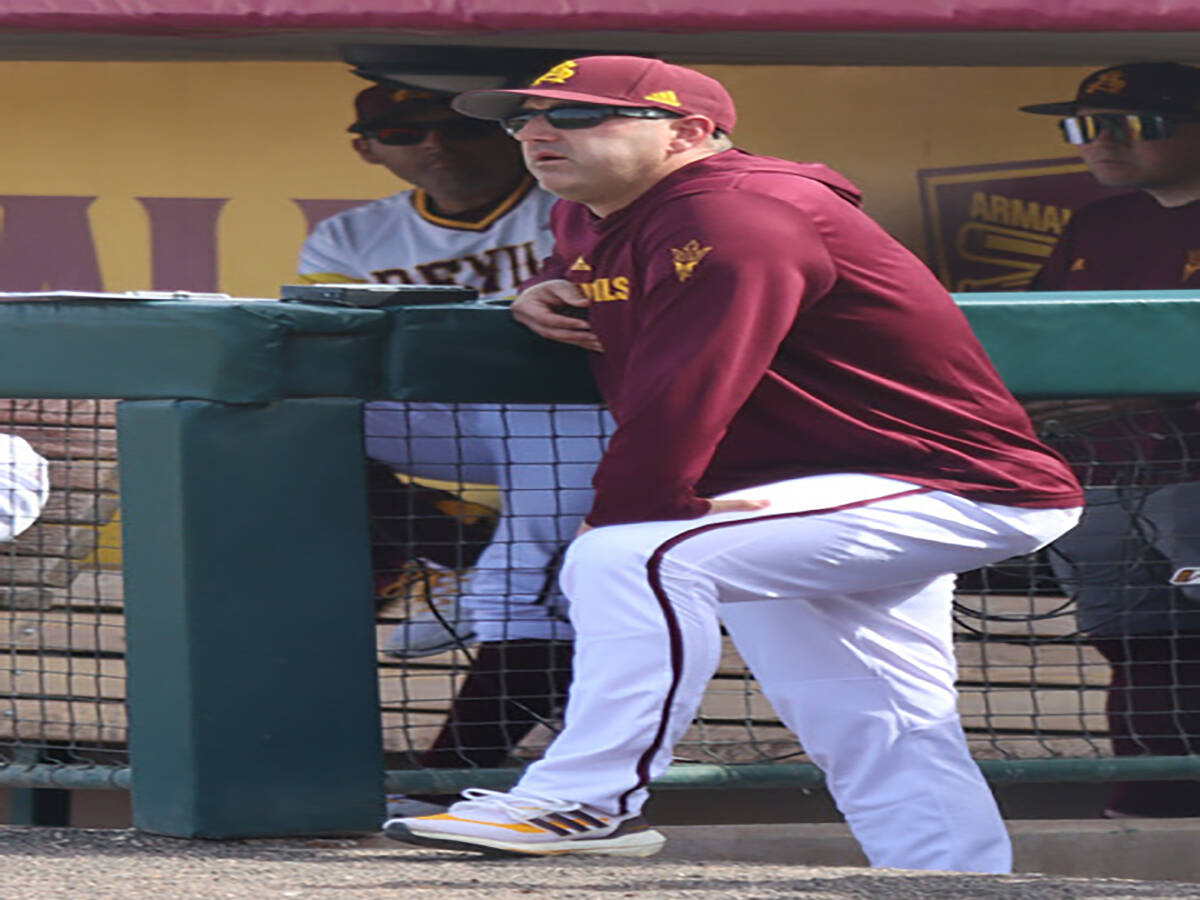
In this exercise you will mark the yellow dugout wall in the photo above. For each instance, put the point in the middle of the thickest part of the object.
(134, 161)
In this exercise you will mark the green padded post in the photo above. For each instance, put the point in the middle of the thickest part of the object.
(253, 696)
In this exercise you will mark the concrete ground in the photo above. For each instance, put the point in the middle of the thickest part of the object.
(701, 863)
(1055, 832)
(1146, 849)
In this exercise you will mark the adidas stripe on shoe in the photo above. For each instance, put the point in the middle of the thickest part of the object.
(496, 823)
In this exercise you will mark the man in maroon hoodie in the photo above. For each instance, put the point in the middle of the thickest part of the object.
(810, 443)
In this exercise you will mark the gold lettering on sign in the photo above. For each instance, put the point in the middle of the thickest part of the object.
(1016, 213)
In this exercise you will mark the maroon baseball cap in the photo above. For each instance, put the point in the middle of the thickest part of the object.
(615, 81)
(1153, 87)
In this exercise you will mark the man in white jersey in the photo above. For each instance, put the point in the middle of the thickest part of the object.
(475, 218)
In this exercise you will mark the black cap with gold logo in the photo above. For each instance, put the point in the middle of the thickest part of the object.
(1155, 87)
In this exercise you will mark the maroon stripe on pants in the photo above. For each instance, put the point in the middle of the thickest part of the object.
(675, 634)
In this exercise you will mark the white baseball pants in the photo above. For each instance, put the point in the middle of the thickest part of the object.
(542, 457)
(838, 597)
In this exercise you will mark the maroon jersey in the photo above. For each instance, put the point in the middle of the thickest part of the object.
(1131, 242)
(1126, 243)
(758, 326)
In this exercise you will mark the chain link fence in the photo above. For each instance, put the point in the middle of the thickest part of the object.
(1032, 684)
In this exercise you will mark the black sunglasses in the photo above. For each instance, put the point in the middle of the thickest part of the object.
(1124, 127)
(573, 117)
(410, 133)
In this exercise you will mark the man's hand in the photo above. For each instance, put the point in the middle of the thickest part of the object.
(714, 506)
(551, 310)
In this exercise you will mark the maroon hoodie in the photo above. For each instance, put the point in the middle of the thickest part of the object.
(758, 326)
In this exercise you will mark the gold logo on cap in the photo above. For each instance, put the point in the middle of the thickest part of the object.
(1107, 83)
(558, 74)
(406, 94)
(687, 257)
(667, 97)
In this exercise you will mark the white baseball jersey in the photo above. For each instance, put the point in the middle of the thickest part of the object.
(399, 240)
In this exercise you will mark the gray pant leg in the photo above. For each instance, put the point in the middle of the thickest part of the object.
(1118, 561)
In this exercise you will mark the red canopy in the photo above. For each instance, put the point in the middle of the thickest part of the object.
(825, 32)
(458, 17)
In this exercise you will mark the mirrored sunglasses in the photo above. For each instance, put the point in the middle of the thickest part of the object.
(410, 133)
(569, 118)
(1123, 127)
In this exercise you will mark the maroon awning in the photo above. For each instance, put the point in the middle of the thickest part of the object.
(805, 32)
(460, 17)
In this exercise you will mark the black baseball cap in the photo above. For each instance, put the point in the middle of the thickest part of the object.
(408, 77)
(376, 105)
(1168, 88)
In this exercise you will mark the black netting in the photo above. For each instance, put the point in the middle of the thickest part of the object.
(471, 507)
(63, 644)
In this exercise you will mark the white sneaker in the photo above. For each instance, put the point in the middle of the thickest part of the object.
(496, 823)
(434, 620)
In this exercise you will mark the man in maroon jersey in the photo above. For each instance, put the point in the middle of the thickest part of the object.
(1136, 126)
(810, 442)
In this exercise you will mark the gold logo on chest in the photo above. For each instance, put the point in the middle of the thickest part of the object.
(1192, 265)
(687, 257)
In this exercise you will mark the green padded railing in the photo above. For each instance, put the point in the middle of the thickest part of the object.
(231, 351)
(229, 404)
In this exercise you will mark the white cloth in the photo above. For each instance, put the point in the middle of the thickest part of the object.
(24, 485)
(838, 597)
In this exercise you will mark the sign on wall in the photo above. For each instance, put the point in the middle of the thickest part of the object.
(990, 228)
